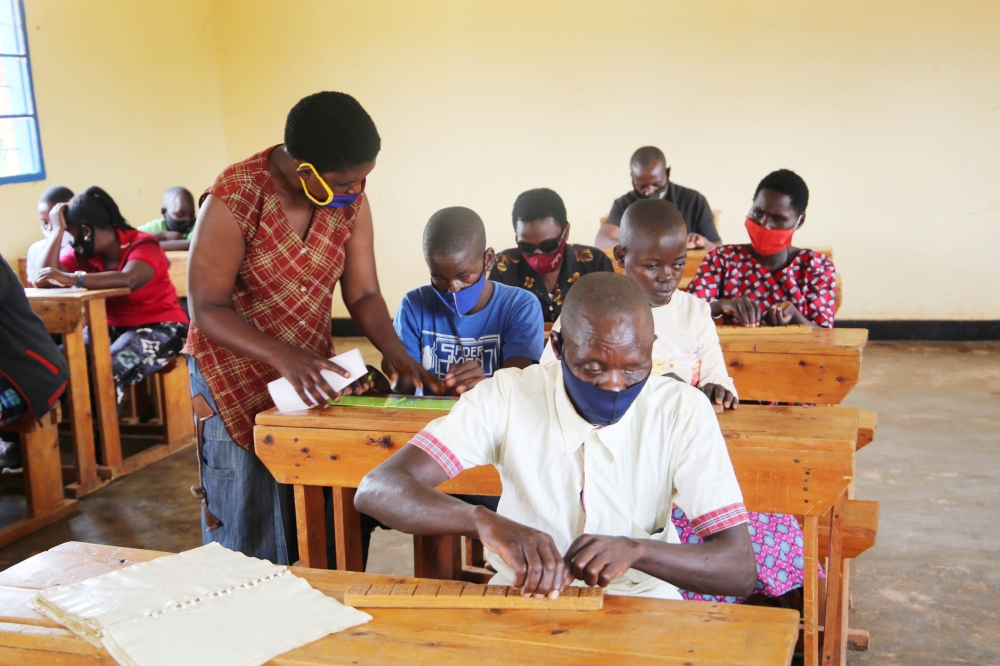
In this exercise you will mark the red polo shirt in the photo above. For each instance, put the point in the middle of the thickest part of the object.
(154, 302)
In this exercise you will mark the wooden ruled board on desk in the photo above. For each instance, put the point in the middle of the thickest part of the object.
(791, 329)
(468, 595)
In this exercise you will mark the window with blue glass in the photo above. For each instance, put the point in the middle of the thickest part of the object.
(20, 145)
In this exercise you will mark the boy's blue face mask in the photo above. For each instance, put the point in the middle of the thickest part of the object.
(460, 302)
(598, 406)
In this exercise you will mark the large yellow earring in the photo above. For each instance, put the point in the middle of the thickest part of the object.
(329, 192)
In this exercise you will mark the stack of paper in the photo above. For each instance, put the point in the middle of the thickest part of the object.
(287, 399)
(206, 606)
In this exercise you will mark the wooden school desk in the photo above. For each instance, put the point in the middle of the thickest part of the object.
(627, 630)
(815, 365)
(796, 460)
(66, 311)
(178, 270)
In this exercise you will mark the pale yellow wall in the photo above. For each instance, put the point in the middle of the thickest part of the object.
(889, 110)
(128, 99)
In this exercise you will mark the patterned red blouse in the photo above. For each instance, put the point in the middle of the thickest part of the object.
(284, 288)
(730, 271)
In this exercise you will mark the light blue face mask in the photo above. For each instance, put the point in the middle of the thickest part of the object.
(460, 302)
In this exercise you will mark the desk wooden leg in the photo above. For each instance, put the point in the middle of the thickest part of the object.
(810, 592)
(438, 557)
(347, 529)
(104, 384)
(834, 634)
(310, 523)
(81, 416)
(175, 405)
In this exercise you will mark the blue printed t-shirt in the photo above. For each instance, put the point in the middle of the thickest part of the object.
(510, 325)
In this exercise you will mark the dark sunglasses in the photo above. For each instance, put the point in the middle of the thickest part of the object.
(545, 247)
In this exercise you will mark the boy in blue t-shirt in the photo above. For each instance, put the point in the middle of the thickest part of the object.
(464, 327)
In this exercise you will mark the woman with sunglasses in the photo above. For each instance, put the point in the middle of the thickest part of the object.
(769, 281)
(544, 262)
(275, 234)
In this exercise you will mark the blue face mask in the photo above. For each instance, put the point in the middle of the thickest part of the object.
(332, 200)
(460, 302)
(598, 406)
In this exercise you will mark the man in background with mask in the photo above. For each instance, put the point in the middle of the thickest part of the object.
(651, 180)
(174, 229)
(592, 452)
(544, 262)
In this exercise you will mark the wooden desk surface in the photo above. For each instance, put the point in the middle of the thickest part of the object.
(178, 270)
(72, 294)
(627, 629)
(816, 342)
(815, 428)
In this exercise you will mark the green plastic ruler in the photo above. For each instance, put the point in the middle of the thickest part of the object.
(394, 402)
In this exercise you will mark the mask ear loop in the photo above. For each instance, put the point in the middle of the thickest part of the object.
(329, 192)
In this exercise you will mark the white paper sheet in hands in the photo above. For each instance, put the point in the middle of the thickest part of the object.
(206, 606)
(287, 400)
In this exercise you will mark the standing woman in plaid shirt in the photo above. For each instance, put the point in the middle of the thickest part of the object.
(275, 234)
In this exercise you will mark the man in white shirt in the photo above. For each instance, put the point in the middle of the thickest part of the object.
(593, 452)
(35, 259)
(652, 250)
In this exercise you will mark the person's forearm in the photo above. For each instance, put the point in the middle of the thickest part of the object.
(371, 315)
(406, 504)
(223, 326)
(710, 245)
(111, 280)
(50, 253)
(716, 566)
(716, 308)
(607, 236)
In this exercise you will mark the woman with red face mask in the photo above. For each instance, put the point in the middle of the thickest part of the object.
(544, 262)
(769, 281)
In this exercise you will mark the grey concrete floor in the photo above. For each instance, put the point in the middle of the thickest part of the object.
(928, 592)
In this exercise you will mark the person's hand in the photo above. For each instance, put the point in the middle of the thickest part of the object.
(48, 278)
(744, 309)
(302, 369)
(168, 235)
(376, 382)
(696, 241)
(56, 224)
(464, 376)
(720, 395)
(598, 560)
(780, 314)
(398, 362)
(539, 568)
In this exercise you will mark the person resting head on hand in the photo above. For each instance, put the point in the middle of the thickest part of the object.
(463, 327)
(652, 250)
(646, 443)
(174, 229)
(53, 196)
(769, 281)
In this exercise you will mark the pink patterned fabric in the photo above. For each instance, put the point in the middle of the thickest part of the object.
(777, 543)
(442, 454)
(809, 282)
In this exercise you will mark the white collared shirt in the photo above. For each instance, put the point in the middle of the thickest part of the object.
(686, 344)
(566, 477)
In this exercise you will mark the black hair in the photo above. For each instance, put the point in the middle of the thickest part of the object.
(789, 183)
(648, 155)
(657, 216)
(55, 195)
(96, 208)
(537, 205)
(331, 131)
(452, 231)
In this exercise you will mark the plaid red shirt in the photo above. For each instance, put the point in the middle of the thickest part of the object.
(284, 288)
(809, 282)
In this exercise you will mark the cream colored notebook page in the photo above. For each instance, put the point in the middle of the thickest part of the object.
(205, 606)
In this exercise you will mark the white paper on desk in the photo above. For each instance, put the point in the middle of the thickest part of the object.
(205, 607)
(287, 400)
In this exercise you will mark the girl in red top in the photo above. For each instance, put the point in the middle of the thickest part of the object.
(769, 281)
(147, 325)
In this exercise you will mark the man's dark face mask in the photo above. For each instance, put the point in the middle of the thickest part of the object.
(180, 226)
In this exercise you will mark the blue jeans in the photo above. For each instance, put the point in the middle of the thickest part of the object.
(257, 513)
